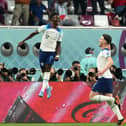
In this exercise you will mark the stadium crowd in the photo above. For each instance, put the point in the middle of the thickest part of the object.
(36, 12)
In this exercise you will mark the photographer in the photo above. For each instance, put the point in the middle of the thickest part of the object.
(89, 61)
(57, 76)
(23, 74)
(73, 74)
(91, 77)
(116, 72)
(68, 75)
(76, 70)
(5, 74)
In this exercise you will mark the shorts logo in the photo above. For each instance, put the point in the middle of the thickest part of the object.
(51, 58)
(42, 64)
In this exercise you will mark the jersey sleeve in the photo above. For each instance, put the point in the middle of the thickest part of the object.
(42, 28)
(106, 53)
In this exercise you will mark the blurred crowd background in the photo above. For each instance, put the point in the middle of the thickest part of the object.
(72, 12)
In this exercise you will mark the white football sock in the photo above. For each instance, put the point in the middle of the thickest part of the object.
(46, 77)
(101, 98)
(116, 110)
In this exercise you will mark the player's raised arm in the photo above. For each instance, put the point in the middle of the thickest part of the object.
(28, 37)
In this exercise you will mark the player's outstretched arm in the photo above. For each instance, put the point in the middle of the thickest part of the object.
(29, 37)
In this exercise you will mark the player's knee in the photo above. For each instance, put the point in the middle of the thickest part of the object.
(90, 96)
(47, 68)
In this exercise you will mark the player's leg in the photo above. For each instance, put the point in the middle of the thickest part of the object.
(45, 85)
(49, 60)
(117, 101)
(42, 59)
(101, 86)
(46, 77)
(116, 110)
(94, 96)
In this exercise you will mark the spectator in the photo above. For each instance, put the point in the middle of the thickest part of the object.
(88, 62)
(82, 3)
(3, 9)
(36, 13)
(50, 2)
(119, 5)
(94, 6)
(32, 1)
(62, 8)
(120, 10)
(21, 11)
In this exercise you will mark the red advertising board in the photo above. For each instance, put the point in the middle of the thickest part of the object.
(69, 103)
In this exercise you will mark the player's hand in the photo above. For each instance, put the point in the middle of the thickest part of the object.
(57, 58)
(100, 73)
(21, 43)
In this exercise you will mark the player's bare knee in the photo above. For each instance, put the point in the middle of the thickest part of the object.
(90, 96)
(47, 68)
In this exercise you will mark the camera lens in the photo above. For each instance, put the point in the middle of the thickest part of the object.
(75, 68)
(119, 73)
(68, 73)
(91, 74)
(31, 71)
(60, 72)
(23, 74)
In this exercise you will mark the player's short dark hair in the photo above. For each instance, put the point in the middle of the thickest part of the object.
(52, 15)
(108, 38)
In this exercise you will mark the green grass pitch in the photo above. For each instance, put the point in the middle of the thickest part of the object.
(59, 124)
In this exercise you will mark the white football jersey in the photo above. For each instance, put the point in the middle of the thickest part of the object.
(50, 38)
(102, 62)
